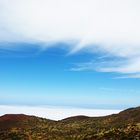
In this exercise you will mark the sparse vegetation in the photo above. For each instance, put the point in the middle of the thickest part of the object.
(123, 126)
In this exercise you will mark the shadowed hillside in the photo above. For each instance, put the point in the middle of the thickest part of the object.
(122, 126)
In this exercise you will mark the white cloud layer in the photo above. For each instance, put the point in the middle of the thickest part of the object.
(113, 26)
(54, 113)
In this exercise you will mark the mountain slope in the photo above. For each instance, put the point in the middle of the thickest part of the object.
(125, 125)
(10, 121)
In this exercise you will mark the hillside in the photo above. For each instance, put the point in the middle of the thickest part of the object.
(122, 126)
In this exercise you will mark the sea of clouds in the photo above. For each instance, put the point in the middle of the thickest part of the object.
(53, 112)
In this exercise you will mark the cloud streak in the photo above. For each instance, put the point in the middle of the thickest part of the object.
(111, 27)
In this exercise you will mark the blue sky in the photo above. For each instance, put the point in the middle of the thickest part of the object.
(55, 53)
(33, 77)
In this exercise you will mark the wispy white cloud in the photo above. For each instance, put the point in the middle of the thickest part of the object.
(127, 67)
(136, 75)
(110, 26)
